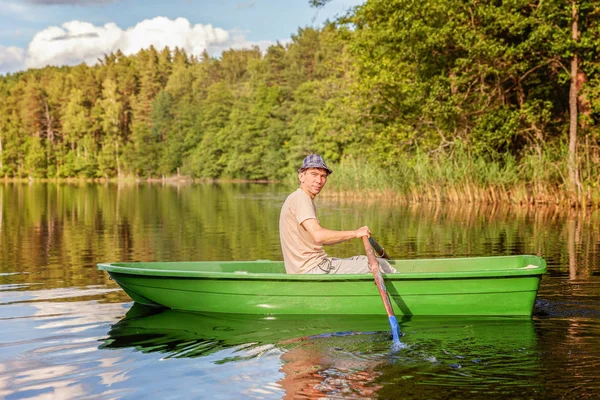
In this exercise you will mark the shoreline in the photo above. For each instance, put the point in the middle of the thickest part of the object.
(522, 195)
(515, 196)
(172, 180)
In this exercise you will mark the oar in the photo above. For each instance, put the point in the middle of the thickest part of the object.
(374, 265)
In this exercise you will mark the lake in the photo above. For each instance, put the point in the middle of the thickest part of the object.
(68, 331)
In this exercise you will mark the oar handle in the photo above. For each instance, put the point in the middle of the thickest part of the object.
(379, 251)
(374, 265)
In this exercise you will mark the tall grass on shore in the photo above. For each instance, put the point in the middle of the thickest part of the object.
(459, 177)
(534, 179)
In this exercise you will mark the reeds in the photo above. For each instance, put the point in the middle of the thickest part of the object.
(461, 178)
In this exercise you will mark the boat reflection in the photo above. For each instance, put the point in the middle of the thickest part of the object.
(348, 355)
(145, 327)
(189, 334)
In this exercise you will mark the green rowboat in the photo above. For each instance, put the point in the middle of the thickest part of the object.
(479, 286)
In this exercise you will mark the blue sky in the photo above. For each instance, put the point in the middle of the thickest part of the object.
(35, 33)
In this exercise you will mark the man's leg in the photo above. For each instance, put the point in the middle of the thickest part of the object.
(352, 265)
(385, 266)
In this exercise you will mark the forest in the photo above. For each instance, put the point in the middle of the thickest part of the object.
(490, 101)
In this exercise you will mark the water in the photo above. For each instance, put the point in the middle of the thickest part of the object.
(69, 332)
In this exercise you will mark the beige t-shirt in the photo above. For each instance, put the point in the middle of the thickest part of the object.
(300, 253)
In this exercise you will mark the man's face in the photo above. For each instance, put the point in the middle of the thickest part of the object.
(312, 180)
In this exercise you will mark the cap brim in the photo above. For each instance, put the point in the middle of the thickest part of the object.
(329, 172)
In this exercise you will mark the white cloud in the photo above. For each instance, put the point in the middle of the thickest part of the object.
(11, 58)
(76, 41)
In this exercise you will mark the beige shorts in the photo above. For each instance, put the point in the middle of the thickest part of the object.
(352, 265)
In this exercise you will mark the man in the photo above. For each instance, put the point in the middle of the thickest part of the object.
(302, 236)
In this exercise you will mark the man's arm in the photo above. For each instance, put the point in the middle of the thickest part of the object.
(327, 236)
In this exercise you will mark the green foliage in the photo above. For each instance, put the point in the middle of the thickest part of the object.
(208, 158)
(35, 160)
(421, 92)
(75, 120)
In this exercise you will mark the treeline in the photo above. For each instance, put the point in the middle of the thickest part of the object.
(244, 115)
(489, 95)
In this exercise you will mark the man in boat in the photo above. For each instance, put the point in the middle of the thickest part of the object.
(302, 236)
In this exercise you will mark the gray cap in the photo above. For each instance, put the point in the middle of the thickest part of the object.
(314, 161)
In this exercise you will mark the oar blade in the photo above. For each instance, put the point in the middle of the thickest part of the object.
(395, 327)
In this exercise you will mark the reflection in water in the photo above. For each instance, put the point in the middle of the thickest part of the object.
(58, 232)
(346, 355)
(48, 347)
(212, 332)
(332, 366)
(570, 326)
(56, 309)
(493, 358)
(463, 354)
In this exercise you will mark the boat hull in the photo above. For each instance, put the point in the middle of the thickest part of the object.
(422, 287)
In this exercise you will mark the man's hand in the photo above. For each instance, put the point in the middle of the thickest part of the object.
(362, 231)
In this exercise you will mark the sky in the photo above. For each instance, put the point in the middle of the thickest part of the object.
(37, 33)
